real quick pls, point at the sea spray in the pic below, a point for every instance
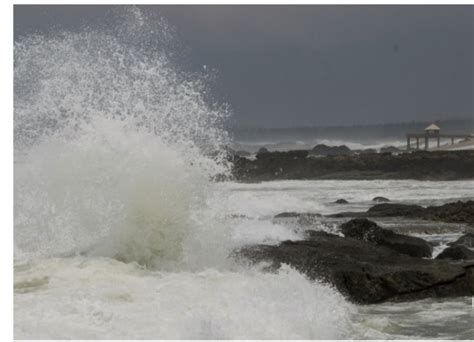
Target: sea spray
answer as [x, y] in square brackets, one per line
[116, 234]
[114, 146]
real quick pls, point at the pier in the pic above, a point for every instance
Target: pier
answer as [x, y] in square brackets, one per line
[432, 132]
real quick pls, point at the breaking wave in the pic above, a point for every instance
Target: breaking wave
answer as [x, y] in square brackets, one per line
[115, 231]
[114, 145]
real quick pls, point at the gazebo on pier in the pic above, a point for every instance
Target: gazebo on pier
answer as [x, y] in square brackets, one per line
[432, 132]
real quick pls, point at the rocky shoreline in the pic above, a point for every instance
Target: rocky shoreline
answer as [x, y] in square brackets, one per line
[370, 264]
[457, 212]
[300, 164]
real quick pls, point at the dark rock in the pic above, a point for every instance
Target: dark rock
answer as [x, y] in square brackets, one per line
[439, 165]
[341, 201]
[262, 150]
[380, 199]
[324, 150]
[363, 229]
[466, 240]
[456, 253]
[457, 212]
[386, 210]
[391, 209]
[390, 149]
[287, 214]
[296, 215]
[461, 212]
[364, 272]
[366, 151]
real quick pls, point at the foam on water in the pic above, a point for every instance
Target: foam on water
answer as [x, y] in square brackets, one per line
[115, 232]
[102, 298]
[271, 198]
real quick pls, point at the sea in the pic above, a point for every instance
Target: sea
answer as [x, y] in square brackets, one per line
[121, 230]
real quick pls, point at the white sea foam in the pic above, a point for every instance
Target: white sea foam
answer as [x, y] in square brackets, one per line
[285, 144]
[115, 232]
[109, 146]
[101, 298]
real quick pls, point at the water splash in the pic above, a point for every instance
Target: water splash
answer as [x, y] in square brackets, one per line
[114, 145]
[114, 151]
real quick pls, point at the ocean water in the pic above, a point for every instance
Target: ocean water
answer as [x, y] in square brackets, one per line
[206, 295]
[285, 144]
[120, 231]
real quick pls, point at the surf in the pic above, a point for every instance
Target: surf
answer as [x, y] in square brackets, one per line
[111, 145]
[116, 231]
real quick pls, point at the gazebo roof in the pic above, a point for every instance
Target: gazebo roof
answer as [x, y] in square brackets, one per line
[432, 127]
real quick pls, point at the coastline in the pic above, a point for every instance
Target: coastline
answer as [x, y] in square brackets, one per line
[300, 165]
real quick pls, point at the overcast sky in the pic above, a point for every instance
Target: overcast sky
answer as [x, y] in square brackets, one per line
[281, 66]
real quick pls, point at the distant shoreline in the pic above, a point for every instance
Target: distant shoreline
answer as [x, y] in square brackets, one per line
[362, 133]
[299, 165]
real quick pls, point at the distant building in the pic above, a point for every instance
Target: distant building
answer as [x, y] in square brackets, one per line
[432, 129]
[432, 132]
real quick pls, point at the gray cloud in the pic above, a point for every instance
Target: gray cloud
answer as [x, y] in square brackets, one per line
[313, 65]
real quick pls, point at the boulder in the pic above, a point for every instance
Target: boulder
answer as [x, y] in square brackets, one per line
[365, 272]
[390, 149]
[456, 253]
[363, 229]
[341, 201]
[391, 209]
[324, 150]
[466, 240]
[380, 199]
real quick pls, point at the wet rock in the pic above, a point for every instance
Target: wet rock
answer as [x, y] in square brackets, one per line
[363, 229]
[341, 201]
[365, 272]
[303, 219]
[380, 199]
[459, 212]
[456, 253]
[462, 212]
[386, 210]
[390, 149]
[439, 165]
[296, 215]
[366, 151]
[467, 240]
[391, 209]
[324, 150]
